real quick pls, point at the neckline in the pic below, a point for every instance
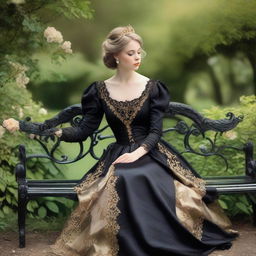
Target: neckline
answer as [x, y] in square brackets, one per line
[126, 101]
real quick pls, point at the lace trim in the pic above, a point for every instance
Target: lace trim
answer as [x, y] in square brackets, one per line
[80, 219]
[112, 213]
[189, 179]
[91, 177]
[186, 176]
[127, 110]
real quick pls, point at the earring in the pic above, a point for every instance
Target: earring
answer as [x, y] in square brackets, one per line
[117, 61]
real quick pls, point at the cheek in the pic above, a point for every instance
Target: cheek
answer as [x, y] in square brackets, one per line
[127, 59]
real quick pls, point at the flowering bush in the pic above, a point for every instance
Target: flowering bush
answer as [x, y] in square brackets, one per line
[23, 33]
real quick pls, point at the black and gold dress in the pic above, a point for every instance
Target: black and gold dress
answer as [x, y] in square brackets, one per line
[154, 206]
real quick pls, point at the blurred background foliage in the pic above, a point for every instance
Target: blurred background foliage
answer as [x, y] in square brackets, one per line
[204, 51]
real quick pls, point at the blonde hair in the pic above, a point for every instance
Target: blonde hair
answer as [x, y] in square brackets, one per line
[116, 41]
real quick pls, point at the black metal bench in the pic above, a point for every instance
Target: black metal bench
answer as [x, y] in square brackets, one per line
[30, 189]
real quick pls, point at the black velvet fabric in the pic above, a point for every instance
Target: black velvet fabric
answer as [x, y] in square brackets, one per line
[148, 222]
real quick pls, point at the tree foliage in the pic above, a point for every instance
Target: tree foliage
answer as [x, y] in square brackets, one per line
[23, 34]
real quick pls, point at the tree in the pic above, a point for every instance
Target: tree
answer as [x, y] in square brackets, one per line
[24, 32]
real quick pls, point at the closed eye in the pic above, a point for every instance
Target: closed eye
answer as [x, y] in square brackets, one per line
[130, 54]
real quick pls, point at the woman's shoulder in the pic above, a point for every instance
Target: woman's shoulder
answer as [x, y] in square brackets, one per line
[159, 84]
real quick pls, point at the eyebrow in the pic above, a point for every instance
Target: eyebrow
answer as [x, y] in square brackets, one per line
[134, 50]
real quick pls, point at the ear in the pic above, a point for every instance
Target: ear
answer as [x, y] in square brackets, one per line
[116, 55]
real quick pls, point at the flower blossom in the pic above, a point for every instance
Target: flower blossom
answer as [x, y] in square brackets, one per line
[66, 46]
[2, 131]
[230, 135]
[21, 113]
[19, 70]
[42, 111]
[22, 80]
[17, 1]
[53, 35]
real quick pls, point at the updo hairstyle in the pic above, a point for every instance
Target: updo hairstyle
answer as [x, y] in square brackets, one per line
[116, 41]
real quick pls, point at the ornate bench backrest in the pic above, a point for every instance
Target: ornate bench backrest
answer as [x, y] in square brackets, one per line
[196, 125]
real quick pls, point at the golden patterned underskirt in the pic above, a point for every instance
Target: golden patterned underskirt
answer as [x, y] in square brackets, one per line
[91, 228]
[190, 190]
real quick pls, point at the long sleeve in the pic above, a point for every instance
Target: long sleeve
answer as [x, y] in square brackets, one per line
[92, 113]
[159, 102]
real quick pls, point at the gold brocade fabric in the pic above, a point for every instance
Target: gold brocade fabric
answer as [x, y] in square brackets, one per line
[92, 228]
[190, 208]
[192, 211]
[184, 174]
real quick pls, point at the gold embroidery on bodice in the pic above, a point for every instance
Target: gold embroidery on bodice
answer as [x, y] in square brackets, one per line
[126, 110]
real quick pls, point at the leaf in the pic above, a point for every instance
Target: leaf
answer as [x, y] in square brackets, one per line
[2, 186]
[242, 207]
[34, 204]
[1, 214]
[6, 209]
[223, 204]
[31, 24]
[42, 212]
[52, 206]
[29, 206]
[8, 198]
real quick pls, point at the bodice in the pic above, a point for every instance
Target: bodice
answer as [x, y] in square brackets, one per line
[129, 119]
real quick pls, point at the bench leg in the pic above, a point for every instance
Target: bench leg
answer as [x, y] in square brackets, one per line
[22, 209]
[252, 199]
[254, 213]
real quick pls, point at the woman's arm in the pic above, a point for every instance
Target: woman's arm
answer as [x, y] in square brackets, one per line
[92, 115]
[159, 102]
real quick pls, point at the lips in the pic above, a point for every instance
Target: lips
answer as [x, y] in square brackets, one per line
[136, 64]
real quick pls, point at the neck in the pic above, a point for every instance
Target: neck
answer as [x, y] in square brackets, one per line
[125, 76]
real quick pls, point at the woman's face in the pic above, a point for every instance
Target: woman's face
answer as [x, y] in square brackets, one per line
[130, 56]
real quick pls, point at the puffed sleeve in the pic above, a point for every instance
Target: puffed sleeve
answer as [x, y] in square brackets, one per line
[159, 102]
[92, 113]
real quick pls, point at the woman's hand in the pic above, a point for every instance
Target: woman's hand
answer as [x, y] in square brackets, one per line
[131, 157]
[11, 125]
[127, 158]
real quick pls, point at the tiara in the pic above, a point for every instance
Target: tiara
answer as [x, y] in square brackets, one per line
[127, 30]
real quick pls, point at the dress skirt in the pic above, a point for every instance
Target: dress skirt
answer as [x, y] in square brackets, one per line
[144, 208]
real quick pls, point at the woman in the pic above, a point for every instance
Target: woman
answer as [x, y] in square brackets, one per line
[141, 198]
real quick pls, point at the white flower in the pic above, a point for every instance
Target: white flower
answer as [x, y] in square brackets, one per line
[22, 80]
[53, 35]
[19, 73]
[18, 67]
[66, 46]
[21, 114]
[212, 60]
[2, 131]
[42, 111]
[31, 136]
[230, 135]
[17, 1]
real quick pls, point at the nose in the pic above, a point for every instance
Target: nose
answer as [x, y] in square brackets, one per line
[137, 56]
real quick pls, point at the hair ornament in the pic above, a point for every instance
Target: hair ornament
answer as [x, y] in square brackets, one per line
[128, 29]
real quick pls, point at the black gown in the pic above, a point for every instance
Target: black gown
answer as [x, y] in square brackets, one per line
[154, 206]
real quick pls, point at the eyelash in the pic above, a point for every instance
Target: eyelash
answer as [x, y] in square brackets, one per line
[130, 54]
